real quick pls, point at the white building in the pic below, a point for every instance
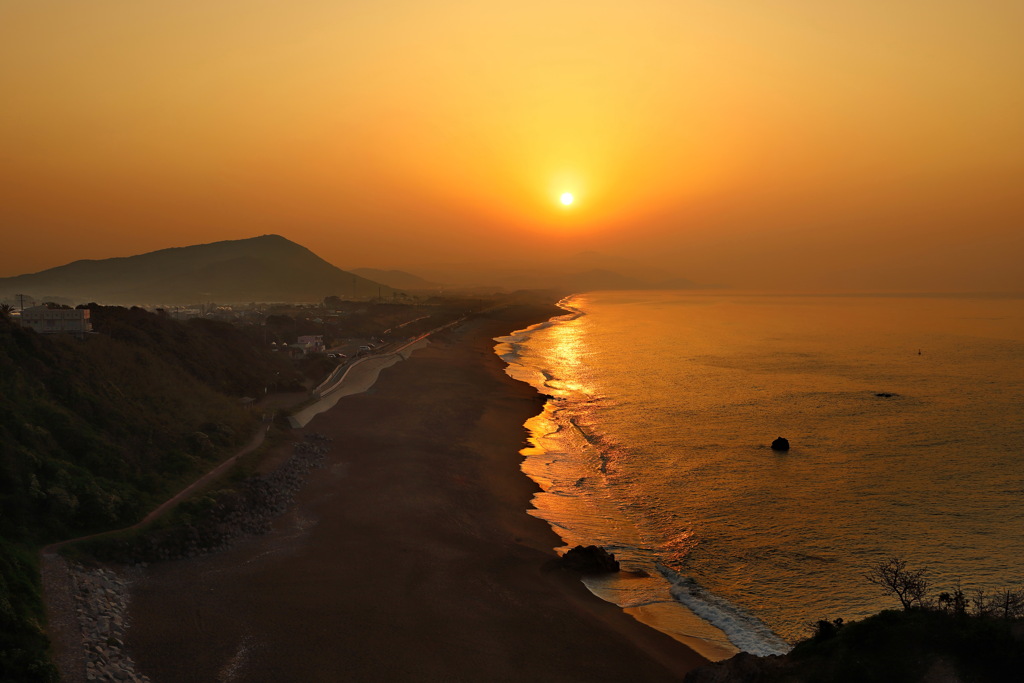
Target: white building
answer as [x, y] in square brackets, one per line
[51, 320]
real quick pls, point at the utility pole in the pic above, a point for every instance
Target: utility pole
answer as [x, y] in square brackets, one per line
[21, 301]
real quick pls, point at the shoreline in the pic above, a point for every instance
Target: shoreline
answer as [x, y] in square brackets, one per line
[660, 609]
[410, 556]
[677, 606]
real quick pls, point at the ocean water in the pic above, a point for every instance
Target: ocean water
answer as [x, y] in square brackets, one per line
[655, 444]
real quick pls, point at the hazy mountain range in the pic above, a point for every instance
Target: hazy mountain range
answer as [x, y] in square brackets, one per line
[584, 271]
[265, 268]
[271, 268]
[399, 279]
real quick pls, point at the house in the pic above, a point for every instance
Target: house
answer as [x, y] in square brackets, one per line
[47, 320]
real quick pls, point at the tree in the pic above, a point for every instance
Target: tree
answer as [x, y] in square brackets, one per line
[909, 585]
[5, 310]
[955, 602]
[280, 321]
[1009, 603]
[825, 629]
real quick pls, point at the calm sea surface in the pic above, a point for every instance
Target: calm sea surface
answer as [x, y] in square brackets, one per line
[655, 444]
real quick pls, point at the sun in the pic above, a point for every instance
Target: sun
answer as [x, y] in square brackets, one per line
[567, 198]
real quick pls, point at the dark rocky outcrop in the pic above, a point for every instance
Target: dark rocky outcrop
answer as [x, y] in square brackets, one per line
[590, 559]
[741, 667]
[780, 444]
[908, 646]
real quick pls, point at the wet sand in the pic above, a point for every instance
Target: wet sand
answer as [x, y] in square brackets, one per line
[409, 557]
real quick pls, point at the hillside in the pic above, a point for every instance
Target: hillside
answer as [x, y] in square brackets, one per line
[265, 268]
[95, 431]
[916, 646]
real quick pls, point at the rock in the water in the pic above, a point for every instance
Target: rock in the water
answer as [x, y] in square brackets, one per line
[591, 559]
[780, 444]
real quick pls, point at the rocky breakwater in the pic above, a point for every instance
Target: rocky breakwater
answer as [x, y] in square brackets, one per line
[88, 606]
[246, 510]
[101, 608]
[217, 520]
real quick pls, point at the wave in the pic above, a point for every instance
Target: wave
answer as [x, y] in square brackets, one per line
[509, 348]
[744, 630]
[514, 339]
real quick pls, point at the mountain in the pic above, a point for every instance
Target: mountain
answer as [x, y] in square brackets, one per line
[566, 277]
[265, 268]
[399, 279]
[599, 278]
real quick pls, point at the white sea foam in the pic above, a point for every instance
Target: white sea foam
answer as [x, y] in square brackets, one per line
[744, 630]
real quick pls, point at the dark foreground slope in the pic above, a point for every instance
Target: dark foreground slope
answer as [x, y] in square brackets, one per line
[265, 268]
[95, 431]
[914, 646]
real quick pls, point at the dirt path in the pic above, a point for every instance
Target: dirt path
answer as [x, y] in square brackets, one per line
[62, 623]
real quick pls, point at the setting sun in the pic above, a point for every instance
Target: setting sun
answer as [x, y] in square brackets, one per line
[567, 198]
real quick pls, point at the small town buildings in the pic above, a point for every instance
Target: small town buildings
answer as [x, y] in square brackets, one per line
[47, 320]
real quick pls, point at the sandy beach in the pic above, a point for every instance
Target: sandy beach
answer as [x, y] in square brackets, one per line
[409, 557]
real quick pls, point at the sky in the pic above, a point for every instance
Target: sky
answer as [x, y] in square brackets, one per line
[781, 144]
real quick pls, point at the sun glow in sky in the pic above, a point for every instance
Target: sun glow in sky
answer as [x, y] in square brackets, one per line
[797, 143]
[566, 198]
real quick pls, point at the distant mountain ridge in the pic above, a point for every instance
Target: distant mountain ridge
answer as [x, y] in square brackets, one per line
[567, 279]
[264, 268]
[399, 279]
[580, 272]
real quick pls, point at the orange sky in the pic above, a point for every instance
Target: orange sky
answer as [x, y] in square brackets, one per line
[782, 144]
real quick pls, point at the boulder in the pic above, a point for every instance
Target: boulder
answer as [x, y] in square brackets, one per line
[780, 444]
[741, 667]
[591, 559]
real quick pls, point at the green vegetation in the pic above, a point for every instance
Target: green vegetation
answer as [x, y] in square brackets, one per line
[22, 640]
[911, 645]
[95, 431]
[977, 638]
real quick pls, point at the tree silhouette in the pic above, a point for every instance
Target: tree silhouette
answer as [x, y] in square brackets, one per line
[909, 585]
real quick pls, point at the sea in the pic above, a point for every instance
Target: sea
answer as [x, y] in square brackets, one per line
[905, 417]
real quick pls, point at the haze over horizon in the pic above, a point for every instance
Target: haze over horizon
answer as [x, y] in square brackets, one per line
[790, 145]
